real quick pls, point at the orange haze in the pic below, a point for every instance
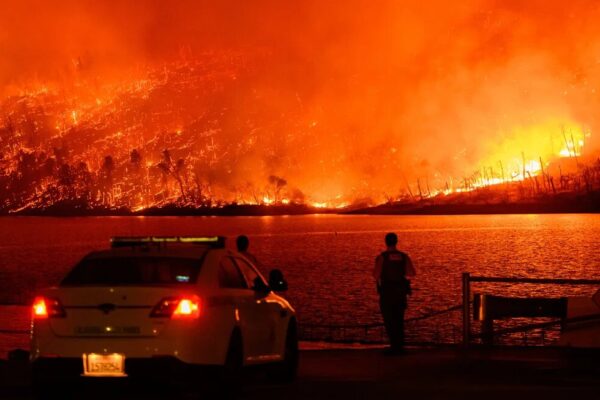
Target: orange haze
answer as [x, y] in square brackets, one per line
[342, 100]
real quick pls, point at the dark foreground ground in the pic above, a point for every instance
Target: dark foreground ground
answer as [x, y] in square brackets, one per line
[506, 374]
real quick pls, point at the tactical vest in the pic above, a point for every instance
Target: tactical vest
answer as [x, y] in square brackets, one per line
[393, 269]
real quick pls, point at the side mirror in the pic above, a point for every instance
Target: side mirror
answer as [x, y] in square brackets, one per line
[260, 287]
[277, 283]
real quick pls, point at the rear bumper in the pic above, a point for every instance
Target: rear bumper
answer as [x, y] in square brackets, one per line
[159, 369]
[189, 345]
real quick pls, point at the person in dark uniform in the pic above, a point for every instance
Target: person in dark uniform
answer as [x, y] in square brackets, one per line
[392, 270]
[242, 243]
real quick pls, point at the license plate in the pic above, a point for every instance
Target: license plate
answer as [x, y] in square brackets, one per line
[109, 365]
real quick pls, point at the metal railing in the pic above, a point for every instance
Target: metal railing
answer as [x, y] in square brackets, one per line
[467, 279]
[7, 331]
[465, 306]
[14, 331]
[330, 330]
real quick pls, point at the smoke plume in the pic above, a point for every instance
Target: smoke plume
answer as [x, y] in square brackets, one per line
[339, 100]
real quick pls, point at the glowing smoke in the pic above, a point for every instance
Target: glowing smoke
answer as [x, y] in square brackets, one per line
[342, 100]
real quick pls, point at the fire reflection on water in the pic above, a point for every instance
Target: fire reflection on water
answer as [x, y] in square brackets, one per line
[204, 104]
[327, 259]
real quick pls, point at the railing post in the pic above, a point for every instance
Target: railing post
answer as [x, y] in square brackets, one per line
[487, 330]
[466, 294]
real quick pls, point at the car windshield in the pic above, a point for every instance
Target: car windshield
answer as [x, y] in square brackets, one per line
[116, 271]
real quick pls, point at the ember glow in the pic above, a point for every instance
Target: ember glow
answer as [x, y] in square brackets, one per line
[137, 104]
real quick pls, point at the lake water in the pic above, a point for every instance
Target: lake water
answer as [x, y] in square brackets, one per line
[328, 259]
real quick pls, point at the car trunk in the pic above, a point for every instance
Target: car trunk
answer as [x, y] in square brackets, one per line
[110, 311]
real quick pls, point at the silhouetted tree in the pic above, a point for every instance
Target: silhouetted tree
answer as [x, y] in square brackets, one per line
[175, 170]
[278, 184]
[66, 182]
[179, 174]
[135, 158]
[84, 182]
[106, 177]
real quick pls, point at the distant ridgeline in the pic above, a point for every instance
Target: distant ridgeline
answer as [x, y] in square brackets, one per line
[480, 201]
[575, 192]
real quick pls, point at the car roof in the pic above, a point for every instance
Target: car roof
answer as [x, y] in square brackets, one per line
[174, 251]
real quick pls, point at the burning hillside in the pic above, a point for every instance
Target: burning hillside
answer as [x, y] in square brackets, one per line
[139, 105]
[151, 140]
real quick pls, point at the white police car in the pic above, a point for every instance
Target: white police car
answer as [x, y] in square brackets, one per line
[163, 307]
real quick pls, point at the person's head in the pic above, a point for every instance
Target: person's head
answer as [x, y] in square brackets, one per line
[242, 242]
[391, 239]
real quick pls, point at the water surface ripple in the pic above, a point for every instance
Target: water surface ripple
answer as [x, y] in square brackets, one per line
[328, 258]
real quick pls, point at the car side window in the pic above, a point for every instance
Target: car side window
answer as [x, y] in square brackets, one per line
[230, 276]
[249, 272]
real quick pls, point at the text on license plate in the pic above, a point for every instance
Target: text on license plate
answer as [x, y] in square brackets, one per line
[112, 365]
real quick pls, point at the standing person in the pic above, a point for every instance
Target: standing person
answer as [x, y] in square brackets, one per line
[392, 268]
[242, 243]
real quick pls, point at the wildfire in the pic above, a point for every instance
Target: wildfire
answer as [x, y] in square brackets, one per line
[109, 152]
[138, 106]
[511, 160]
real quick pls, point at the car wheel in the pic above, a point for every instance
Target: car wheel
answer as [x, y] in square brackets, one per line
[231, 377]
[286, 371]
[49, 387]
[50, 392]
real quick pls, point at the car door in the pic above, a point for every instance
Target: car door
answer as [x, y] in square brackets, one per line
[234, 286]
[268, 312]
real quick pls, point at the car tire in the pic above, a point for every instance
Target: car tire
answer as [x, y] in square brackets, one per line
[232, 371]
[45, 385]
[44, 391]
[286, 371]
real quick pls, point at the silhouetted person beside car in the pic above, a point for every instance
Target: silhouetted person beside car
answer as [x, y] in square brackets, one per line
[242, 243]
[392, 269]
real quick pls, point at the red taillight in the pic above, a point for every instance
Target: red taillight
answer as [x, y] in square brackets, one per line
[177, 307]
[40, 311]
[187, 308]
[44, 307]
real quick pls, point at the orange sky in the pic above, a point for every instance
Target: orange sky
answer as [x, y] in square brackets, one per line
[420, 89]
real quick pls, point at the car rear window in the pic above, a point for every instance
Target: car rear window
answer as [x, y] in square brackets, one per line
[117, 271]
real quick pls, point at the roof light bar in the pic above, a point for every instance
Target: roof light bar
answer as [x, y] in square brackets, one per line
[130, 241]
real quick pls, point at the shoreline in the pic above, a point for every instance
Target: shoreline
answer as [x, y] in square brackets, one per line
[585, 205]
